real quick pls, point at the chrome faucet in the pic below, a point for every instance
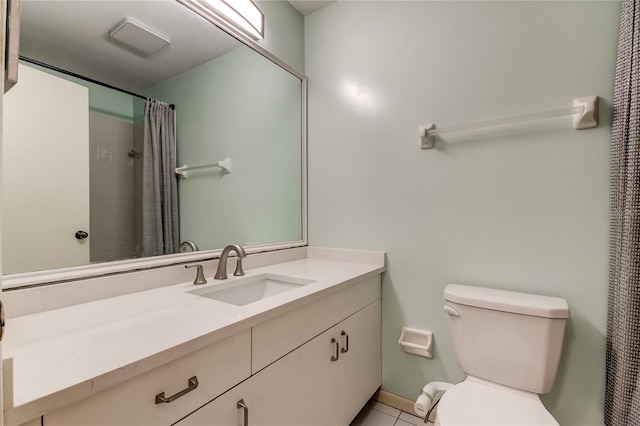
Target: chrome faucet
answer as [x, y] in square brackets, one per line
[188, 244]
[221, 273]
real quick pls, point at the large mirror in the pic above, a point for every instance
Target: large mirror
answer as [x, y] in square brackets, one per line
[74, 139]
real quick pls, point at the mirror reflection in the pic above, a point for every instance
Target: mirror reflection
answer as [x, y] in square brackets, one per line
[77, 155]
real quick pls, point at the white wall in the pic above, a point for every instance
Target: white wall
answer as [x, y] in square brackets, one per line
[525, 211]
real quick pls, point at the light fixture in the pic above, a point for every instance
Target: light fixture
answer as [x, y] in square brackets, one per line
[243, 15]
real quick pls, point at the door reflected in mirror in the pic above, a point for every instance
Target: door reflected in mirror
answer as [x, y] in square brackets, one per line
[73, 150]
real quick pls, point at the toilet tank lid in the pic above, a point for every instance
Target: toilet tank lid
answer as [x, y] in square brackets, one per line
[507, 301]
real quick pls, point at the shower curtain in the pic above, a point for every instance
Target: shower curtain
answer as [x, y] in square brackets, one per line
[622, 397]
[160, 232]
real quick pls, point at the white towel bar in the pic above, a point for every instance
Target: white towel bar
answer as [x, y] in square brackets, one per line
[585, 111]
[225, 165]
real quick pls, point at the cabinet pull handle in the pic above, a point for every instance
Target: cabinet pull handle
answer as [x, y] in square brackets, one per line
[193, 384]
[245, 409]
[346, 348]
[337, 355]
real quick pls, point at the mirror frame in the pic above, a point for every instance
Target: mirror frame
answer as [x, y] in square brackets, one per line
[77, 273]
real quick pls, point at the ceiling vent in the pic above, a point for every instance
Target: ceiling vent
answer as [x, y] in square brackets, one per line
[138, 37]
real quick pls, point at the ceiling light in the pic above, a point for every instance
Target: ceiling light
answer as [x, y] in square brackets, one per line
[243, 15]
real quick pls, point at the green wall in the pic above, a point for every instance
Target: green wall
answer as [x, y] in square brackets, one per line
[284, 32]
[524, 211]
[243, 106]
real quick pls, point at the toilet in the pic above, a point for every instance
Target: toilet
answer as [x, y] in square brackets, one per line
[509, 345]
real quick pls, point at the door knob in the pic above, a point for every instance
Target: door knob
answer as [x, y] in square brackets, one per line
[81, 235]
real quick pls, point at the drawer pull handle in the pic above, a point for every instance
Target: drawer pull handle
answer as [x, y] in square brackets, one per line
[245, 409]
[193, 384]
[337, 355]
[346, 336]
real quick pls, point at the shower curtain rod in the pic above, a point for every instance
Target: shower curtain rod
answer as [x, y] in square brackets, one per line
[82, 77]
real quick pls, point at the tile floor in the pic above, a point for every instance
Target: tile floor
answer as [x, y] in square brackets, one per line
[378, 414]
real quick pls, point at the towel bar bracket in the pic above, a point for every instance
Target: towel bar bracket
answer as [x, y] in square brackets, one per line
[588, 119]
[427, 141]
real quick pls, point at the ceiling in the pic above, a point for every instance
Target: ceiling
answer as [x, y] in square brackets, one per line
[306, 7]
[74, 35]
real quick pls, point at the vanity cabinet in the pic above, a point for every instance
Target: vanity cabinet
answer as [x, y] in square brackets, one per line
[277, 337]
[316, 363]
[217, 368]
[326, 381]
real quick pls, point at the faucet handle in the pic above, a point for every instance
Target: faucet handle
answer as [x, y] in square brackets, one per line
[200, 279]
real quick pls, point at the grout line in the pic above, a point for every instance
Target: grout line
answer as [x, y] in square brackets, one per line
[399, 411]
[397, 417]
[387, 414]
[387, 405]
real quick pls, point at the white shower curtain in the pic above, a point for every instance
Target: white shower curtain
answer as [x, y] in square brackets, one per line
[160, 226]
[622, 399]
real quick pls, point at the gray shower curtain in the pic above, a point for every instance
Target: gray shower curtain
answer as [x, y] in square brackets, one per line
[622, 398]
[160, 232]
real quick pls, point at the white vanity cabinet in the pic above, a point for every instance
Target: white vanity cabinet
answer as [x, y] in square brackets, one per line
[325, 381]
[217, 368]
[277, 337]
[308, 363]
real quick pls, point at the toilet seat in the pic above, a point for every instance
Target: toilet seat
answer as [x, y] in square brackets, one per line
[479, 402]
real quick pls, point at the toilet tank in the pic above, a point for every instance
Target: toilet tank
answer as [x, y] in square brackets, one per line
[506, 337]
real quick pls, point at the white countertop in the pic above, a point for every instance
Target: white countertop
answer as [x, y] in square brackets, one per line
[64, 355]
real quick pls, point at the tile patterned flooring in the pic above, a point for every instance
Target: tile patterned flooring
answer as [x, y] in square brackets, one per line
[378, 414]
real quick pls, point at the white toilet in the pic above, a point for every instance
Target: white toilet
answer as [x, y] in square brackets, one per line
[509, 346]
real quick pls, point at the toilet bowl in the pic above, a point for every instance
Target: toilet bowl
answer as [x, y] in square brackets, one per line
[509, 345]
[480, 402]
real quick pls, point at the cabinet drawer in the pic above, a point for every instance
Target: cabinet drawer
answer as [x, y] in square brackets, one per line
[279, 336]
[218, 368]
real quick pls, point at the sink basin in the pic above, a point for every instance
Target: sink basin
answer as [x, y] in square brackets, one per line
[251, 289]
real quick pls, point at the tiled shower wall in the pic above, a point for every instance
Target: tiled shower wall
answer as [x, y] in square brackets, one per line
[138, 146]
[112, 188]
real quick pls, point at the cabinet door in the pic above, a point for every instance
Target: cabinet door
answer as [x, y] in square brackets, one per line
[298, 389]
[360, 363]
[224, 410]
[325, 381]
